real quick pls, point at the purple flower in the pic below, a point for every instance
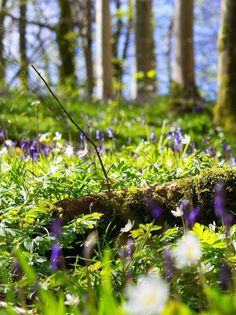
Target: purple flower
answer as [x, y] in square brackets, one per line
[16, 267]
[226, 148]
[129, 248]
[110, 133]
[82, 137]
[199, 107]
[34, 150]
[191, 217]
[3, 134]
[219, 204]
[152, 137]
[156, 210]
[184, 206]
[45, 149]
[25, 145]
[169, 265]
[56, 255]
[175, 139]
[225, 276]
[212, 151]
[97, 136]
[57, 228]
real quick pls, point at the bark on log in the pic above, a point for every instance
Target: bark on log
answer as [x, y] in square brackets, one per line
[138, 203]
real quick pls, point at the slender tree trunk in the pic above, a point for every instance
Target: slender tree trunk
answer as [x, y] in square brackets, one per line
[104, 50]
[225, 110]
[183, 83]
[24, 63]
[66, 44]
[116, 60]
[145, 51]
[2, 31]
[88, 48]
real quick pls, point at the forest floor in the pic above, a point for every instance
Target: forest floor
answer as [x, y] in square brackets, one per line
[68, 234]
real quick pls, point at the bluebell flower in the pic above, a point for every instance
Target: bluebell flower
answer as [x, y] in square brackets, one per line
[56, 228]
[97, 135]
[152, 137]
[34, 150]
[153, 206]
[3, 134]
[110, 133]
[56, 255]
[225, 276]
[82, 137]
[175, 139]
[191, 217]
[169, 264]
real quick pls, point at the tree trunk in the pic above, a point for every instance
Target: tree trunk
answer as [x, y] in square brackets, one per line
[24, 63]
[88, 48]
[66, 44]
[139, 204]
[145, 51]
[184, 89]
[2, 55]
[116, 60]
[103, 49]
[225, 110]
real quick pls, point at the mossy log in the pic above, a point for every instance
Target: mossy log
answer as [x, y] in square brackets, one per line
[138, 203]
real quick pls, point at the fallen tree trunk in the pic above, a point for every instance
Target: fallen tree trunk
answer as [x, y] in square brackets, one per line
[139, 204]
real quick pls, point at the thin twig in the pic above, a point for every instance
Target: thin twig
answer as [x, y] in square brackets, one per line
[76, 125]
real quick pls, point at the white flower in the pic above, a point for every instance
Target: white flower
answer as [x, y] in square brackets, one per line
[127, 227]
[9, 143]
[5, 167]
[69, 151]
[53, 169]
[45, 137]
[148, 297]
[186, 139]
[57, 136]
[188, 251]
[71, 299]
[205, 267]
[3, 152]
[178, 213]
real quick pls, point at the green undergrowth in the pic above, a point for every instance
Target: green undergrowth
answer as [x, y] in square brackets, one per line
[145, 147]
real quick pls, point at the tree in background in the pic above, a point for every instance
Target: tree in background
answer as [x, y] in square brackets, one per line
[23, 44]
[88, 41]
[145, 51]
[103, 50]
[225, 110]
[120, 41]
[183, 87]
[2, 31]
[66, 43]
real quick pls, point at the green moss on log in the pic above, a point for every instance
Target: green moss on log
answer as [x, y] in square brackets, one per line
[137, 204]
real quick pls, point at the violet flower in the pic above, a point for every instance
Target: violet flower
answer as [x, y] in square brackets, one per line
[152, 137]
[169, 264]
[56, 228]
[219, 207]
[97, 135]
[82, 137]
[191, 217]
[110, 133]
[225, 276]
[3, 134]
[56, 255]
[154, 207]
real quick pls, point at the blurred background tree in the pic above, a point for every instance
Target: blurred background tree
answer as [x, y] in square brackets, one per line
[225, 110]
[124, 48]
